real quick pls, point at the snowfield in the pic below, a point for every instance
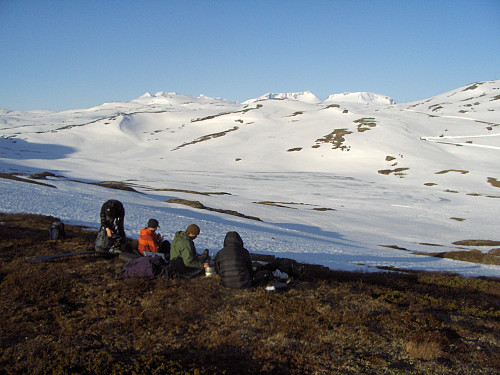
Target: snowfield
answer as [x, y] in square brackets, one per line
[354, 182]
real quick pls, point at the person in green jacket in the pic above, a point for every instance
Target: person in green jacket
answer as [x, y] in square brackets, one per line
[183, 256]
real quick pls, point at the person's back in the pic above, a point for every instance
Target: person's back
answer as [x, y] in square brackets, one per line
[151, 241]
[233, 263]
[147, 241]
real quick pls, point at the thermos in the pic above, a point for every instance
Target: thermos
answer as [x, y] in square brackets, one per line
[209, 268]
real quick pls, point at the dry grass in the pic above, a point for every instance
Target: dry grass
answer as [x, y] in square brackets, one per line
[336, 138]
[118, 185]
[453, 170]
[365, 124]
[193, 191]
[494, 182]
[424, 350]
[277, 204]
[477, 243]
[473, 256]
[9, 176]
[396, 171]
[206, 137]
[76, 315]
[287, 204]
[201, 206]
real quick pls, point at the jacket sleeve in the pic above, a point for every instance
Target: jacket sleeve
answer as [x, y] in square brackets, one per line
[217, 267]
[248, 262]
[120, 219]
[104, 222]
[119, 226]
[189, 255]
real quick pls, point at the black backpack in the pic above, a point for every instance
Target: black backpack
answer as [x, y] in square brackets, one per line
[104, 243]
[56, 230]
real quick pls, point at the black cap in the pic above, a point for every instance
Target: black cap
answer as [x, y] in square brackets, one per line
[153, 223]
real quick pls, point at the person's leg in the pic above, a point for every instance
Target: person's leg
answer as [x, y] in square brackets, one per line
[165, 249]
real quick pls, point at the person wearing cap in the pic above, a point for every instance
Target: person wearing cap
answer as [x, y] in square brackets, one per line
[183, 256]
[151, 241]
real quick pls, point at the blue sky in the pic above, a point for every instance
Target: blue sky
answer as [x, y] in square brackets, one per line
[75, 54]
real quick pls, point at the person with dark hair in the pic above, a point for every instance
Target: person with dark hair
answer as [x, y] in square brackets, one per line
[183, 256]
[111, 236]
[112, 217]
[153, 242]
[233, 263]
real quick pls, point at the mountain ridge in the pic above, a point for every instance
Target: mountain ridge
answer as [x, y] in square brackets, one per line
[400, 175]
[167, 121]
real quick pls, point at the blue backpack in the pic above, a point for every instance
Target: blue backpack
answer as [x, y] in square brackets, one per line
[145, 267]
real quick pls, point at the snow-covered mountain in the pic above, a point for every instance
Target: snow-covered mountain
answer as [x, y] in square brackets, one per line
[352, 182]
[360, 97]
[306, 96]
[368, 98]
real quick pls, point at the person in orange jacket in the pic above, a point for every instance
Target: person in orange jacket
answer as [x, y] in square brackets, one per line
[151, 241]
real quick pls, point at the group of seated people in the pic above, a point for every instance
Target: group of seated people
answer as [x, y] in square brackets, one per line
[232, 262]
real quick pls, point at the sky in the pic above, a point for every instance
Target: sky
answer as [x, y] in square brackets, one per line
[59, 55]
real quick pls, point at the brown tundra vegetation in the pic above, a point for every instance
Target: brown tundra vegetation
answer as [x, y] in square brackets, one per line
[77, 315]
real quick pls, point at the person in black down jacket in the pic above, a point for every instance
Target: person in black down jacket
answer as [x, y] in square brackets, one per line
[233, 263]
[112, 216]
[111, 231]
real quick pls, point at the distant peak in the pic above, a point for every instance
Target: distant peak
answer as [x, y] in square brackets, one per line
[160, 94]
[361, 97]
[201, 96]
[304, 96]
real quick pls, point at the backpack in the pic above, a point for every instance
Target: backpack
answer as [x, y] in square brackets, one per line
[56, 230]
[102, 241]
[289, 266]
[145, 267]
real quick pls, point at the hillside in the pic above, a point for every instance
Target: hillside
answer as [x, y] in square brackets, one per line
[354, 182]
[77, 315]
